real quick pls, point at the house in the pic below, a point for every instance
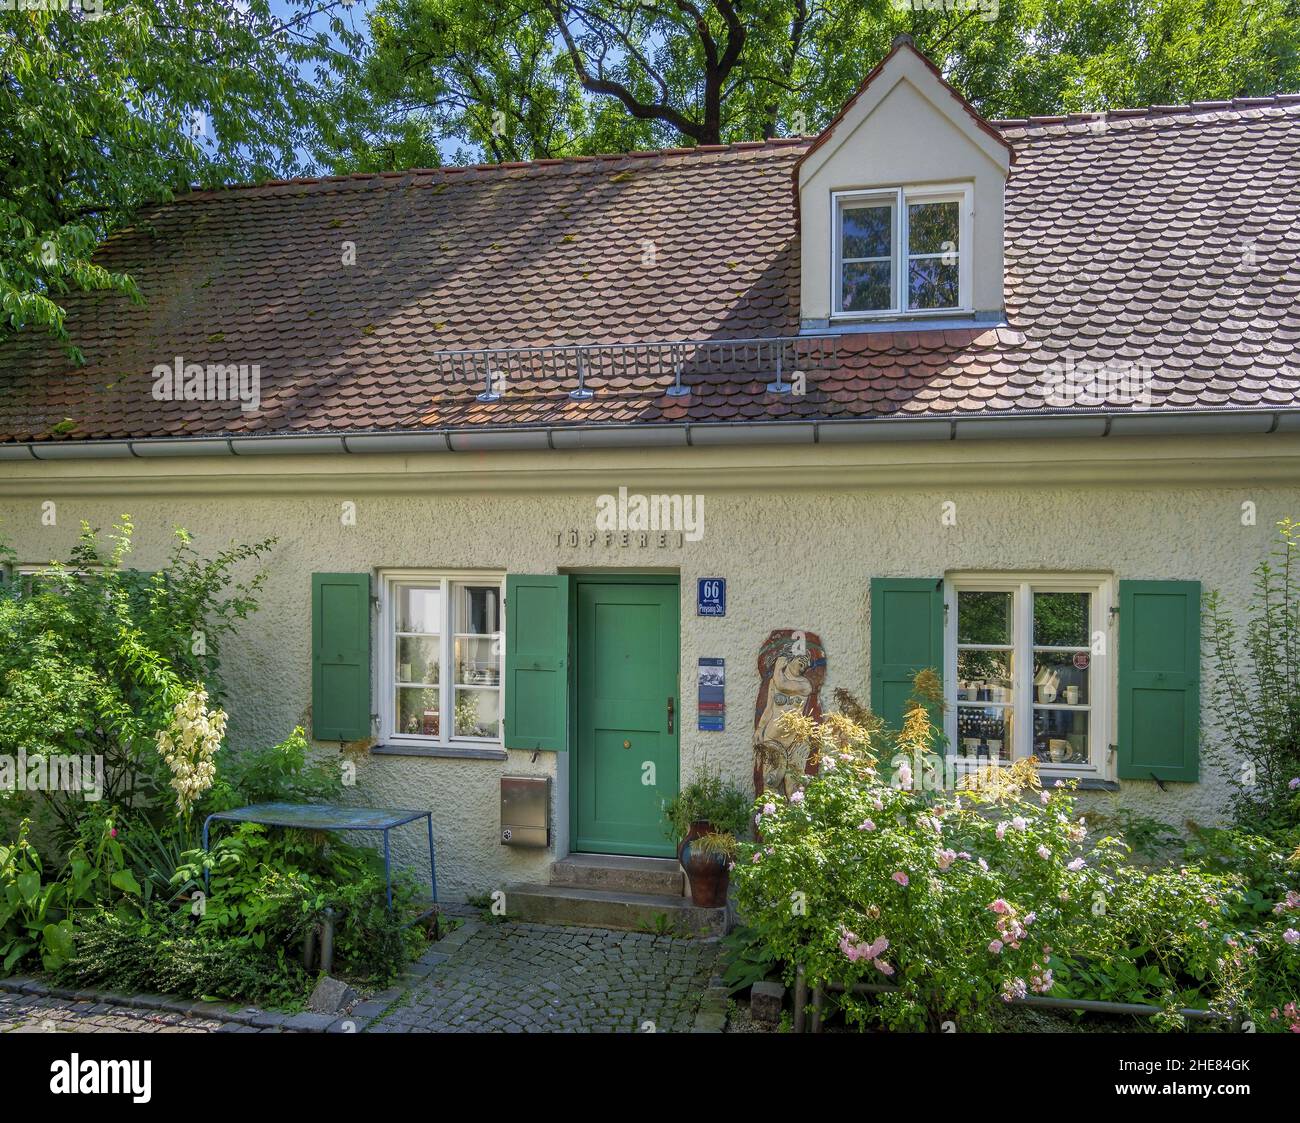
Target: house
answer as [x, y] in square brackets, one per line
[584, 470]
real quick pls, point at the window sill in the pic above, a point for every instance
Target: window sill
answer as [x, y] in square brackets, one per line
[954, 321]
[449, 752]
[1093, 784]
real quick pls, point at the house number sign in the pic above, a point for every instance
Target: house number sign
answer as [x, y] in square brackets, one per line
[711, 596]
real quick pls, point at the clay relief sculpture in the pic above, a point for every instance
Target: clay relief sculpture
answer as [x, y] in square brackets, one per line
[791, 671]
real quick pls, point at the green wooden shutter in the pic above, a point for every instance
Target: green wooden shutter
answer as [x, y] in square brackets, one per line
[1159, 680]
[340, 656]
[906, 637]
[537, 662]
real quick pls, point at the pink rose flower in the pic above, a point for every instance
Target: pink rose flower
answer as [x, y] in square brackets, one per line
[996, 947]
[1291, 936]
[866, 825]
[1044, 853]
[900, 877]
[1075, 866]
[1000, 907]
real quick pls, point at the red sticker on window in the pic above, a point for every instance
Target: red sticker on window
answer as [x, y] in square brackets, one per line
[1081, 660]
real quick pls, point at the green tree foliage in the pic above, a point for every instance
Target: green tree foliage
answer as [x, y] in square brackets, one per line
[102, 113]
[530, 79]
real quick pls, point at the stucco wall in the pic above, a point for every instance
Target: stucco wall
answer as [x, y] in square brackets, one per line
[796, 554]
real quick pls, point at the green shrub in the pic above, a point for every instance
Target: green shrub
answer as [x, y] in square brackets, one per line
[707, 798]
[953, 902]
[282, 773]
[161, 952]
[95, 655]
[1256, 690]
[269, 886]
[39, 911]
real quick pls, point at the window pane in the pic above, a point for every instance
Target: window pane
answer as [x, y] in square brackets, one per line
[1061, 736]
[984, 617]
[984, 676]
[932, 283]
[867, 231]
[1059, 679]
[419, 609]
[1061, 619]
[984, 732]
[478, 609]
[867, 286]
[478, 713]
[418, 659]
[932, 228]
[477, 664]
[417, 711]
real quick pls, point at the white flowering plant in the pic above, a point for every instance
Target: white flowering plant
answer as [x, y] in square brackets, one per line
[949, 904]
[188, 746]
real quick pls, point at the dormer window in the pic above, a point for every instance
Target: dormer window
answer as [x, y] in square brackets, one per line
[902, 251]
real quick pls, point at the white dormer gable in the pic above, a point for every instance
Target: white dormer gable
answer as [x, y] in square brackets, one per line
[901, 204]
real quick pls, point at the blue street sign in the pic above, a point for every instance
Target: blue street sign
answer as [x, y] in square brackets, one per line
[712, 598]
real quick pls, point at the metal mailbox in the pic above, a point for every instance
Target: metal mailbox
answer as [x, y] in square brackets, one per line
[525, 810]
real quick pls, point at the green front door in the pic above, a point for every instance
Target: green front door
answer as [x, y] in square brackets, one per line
[628, 716]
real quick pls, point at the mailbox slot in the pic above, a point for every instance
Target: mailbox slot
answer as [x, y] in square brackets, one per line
[525, 811]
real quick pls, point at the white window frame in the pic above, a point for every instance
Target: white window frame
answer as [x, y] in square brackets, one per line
[386, 671]
[900, 197]
[1101, 681]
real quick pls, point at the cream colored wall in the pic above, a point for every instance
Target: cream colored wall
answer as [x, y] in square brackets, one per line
[797, 533]
[907, 135]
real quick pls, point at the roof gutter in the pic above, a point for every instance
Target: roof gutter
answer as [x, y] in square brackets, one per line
[1074, 424]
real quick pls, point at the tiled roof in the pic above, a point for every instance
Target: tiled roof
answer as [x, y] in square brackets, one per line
[1168, 236]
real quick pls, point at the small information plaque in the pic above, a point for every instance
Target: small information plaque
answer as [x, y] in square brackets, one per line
[713, 695]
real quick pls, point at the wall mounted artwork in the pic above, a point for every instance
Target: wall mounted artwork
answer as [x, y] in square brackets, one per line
[791, 671]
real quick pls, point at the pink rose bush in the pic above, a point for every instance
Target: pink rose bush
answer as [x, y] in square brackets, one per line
[968, 898]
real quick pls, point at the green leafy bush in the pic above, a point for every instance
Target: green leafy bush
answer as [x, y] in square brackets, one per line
[707, 798]
[95, 655]
[1256, 689]
[282, 773]
[38, 911]
[269, 886]
[161, 952]
[952, 902]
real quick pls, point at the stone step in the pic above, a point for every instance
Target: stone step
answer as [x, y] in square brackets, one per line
[577, 907]
[620, 873]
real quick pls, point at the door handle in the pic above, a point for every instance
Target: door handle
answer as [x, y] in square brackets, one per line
[670, 714]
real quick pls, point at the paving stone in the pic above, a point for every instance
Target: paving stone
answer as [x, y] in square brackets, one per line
[312, 1023]
[513, 977]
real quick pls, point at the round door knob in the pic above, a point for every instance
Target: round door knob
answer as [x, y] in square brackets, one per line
[627, 744]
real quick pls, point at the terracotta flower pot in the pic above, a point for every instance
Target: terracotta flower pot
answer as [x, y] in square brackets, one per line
[707, 873]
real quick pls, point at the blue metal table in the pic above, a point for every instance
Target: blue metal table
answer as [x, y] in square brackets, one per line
[333, 817]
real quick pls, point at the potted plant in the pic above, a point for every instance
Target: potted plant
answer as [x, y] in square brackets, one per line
[705, 818]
